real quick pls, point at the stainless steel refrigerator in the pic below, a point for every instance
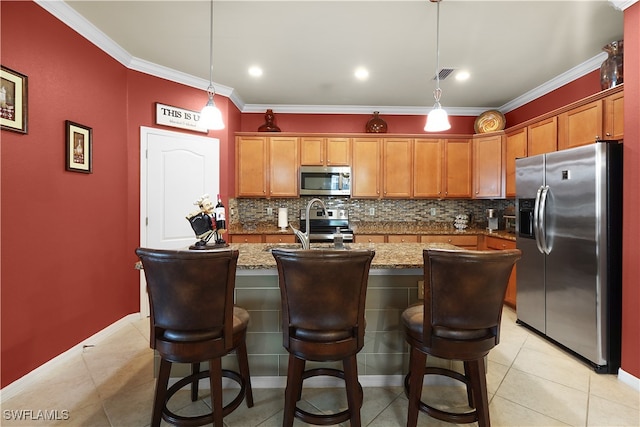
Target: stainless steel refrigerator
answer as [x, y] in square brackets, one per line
[569, 229]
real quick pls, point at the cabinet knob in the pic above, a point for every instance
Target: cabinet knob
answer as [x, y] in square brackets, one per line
[608, 134]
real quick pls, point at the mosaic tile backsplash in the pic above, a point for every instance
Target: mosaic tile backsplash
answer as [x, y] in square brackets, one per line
[250, 211]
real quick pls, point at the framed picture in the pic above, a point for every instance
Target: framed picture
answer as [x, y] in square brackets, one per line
[79, 150]
[13, 100]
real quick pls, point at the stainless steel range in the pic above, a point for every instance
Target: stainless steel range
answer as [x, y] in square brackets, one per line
[323, 224]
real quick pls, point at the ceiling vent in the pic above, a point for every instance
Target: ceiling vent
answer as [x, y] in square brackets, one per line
[444, 73]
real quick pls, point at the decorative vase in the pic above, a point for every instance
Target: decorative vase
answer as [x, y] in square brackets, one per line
[611, 68]
[376, 124]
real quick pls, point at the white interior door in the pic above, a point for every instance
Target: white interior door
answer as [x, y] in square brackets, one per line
[175, 170]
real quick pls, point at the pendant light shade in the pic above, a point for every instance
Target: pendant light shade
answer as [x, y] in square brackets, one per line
[437, 119]
[210, 116]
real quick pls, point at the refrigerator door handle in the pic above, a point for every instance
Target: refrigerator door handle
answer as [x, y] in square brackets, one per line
[536, 219]
[543, 228]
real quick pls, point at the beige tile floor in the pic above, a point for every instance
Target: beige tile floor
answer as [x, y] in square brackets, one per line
[531, 383]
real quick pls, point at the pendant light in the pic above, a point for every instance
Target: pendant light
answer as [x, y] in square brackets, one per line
[210, 116]
[437, 119]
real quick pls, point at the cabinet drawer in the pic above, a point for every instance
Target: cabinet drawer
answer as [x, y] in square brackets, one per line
[467, 242]
[369, 238]
[246, 238]
[402, 238]
[279, 238]
[499, 244]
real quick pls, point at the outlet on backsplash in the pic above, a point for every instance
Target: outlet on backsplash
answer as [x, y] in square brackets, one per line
[433, 211]
[269, 211]
[372, 211]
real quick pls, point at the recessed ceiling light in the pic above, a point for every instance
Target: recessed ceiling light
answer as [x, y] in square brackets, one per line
[255, 71]
[462, 75]
[361, 73]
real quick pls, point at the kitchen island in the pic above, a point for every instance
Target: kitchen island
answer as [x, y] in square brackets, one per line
[395, 272]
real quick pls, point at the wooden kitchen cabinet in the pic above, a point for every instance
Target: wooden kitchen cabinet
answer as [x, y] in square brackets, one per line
[397, 168]
[496, 243]
[457, 168]
[283, 167]
[365, 168]
[580, 126]
[251, 166]
[515, 148]
[319, 151]
[245, 238]
[403, 238]
[428, 157]
[266, 166]
[279, 238]
[442, 168]
[487, 166]
[466, 242]
[542, 137]
[369, 238]
[614, 116]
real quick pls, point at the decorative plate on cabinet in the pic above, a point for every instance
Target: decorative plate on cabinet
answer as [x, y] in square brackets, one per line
[489, 121]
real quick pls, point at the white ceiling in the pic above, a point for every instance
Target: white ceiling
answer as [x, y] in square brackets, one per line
[514, 50]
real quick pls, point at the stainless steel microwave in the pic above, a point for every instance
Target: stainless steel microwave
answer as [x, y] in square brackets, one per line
[325, 181]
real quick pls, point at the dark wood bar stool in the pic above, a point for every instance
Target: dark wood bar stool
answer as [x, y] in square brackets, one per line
[193, 320]
[323, 300]
[459, 320]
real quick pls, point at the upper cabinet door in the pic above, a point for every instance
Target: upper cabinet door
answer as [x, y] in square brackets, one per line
[397, 168]
[457, 169]
[580, 126]
[614, 116]
[319, 151]
[428, 157]
[311, 151]
[365, 171]
[516, 147]
[252, 163]
[542, 137]
[283, 167]
[487, 167]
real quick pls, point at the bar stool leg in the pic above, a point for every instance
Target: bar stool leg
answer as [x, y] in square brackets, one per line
[161, 392]
[354, 398]
[195, 369]
[293, 390]
[418, 361]
[243, 364]
[478, 380]
[215, 382]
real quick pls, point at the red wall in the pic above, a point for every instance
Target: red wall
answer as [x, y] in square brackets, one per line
[70, 274]
[580, 88]
[631, 194]
[351, 123]
[65, 269]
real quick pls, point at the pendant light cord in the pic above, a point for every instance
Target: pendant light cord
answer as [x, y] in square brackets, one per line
[437, 93]
[210, 89]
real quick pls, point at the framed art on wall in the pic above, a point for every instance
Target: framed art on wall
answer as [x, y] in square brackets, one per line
[79, 150]
[13, 100]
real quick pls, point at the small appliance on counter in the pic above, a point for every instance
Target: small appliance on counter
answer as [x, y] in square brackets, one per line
[510, 219]
[492, 220]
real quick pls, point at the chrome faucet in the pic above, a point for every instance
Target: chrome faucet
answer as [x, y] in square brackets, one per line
[304, 237]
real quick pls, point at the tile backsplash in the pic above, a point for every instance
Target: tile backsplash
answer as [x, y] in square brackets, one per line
[250, 211]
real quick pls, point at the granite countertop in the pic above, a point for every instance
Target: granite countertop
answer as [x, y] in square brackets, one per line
[366, 227]
[256, 256]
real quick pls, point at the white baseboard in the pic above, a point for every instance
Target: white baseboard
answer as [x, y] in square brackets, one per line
[31, 378]
[629, 379]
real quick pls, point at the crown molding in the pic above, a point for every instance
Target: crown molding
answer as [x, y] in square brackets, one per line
[622, 4]
[86, 29]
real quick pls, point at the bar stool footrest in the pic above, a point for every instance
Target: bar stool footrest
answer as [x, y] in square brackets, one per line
[451, 417]
[328, 419]
[198, 420]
